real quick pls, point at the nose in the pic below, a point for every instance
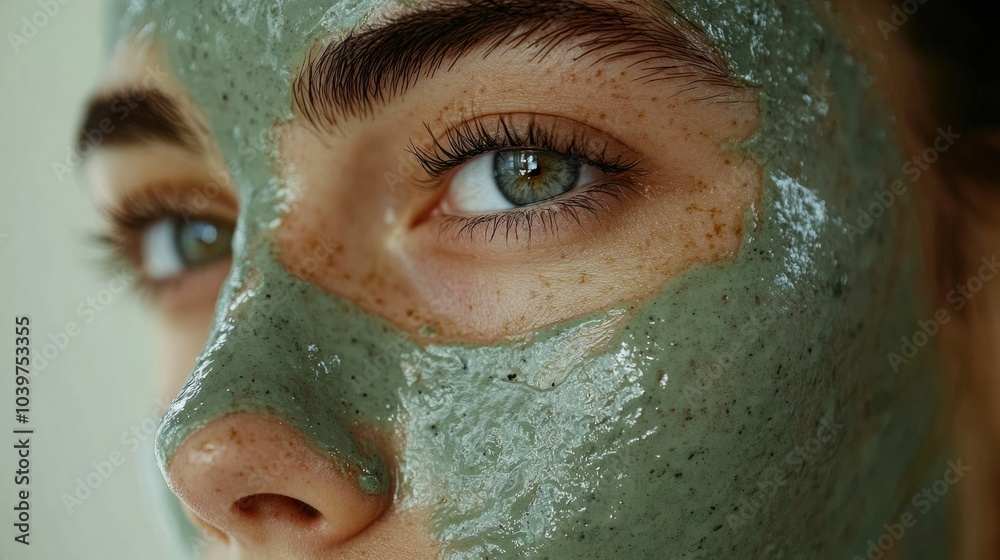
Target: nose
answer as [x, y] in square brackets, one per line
[257, 481]
[272, 439]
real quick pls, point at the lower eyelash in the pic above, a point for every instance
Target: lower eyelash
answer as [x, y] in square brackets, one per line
[593, 200]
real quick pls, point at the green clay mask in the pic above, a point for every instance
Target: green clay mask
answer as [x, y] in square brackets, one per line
[746, 411]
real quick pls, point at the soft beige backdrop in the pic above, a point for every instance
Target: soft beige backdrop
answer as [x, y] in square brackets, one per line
[98, 386]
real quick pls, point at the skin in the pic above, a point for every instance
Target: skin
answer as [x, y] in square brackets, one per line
[701, 372]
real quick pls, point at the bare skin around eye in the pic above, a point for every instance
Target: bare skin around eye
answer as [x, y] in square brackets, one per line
[368, 234]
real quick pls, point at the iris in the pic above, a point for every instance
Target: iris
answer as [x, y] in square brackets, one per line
[528, 176]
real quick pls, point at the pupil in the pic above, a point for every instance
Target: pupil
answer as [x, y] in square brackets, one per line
[528, 165]
[201, 242]
[207, 233]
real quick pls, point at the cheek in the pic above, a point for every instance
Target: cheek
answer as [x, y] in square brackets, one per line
[438, 286]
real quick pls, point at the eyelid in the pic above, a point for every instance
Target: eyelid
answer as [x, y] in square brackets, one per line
[137, 208]
[482, 134]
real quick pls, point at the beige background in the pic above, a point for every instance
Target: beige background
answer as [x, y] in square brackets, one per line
[99, 386]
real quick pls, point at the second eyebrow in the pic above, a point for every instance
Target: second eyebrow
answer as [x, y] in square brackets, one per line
[135, 116]
[369, 67]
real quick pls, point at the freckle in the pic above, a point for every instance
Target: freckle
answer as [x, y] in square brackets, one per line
[654, 99]
[728, 162]
[642, 114]
[600, 72]
[602, 116]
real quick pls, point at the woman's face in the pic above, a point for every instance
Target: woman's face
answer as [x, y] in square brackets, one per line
[524, 278]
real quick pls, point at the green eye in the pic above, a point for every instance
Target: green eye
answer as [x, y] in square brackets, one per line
[172, 245]
[529, 176]
[201, 242]
[515, 177]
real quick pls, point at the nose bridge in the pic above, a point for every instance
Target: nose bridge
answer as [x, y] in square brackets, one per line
[284, 349]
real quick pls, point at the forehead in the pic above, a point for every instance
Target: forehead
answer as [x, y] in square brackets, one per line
[213, 47]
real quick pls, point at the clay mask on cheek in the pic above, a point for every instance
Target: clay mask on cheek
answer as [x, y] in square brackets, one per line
[738, 413]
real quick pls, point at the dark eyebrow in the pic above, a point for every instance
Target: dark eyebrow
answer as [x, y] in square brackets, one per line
[135, 116]
[370, 66]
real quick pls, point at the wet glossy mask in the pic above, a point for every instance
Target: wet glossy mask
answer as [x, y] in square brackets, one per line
[739, 413]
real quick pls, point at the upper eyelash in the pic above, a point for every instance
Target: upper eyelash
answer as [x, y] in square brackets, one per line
[473, 138]
[136, 210]
[129, 216]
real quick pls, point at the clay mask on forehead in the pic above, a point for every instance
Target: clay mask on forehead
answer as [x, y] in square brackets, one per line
[740, 412]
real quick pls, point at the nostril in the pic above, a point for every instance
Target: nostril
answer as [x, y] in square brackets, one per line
[272, 506]
[258, 481]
